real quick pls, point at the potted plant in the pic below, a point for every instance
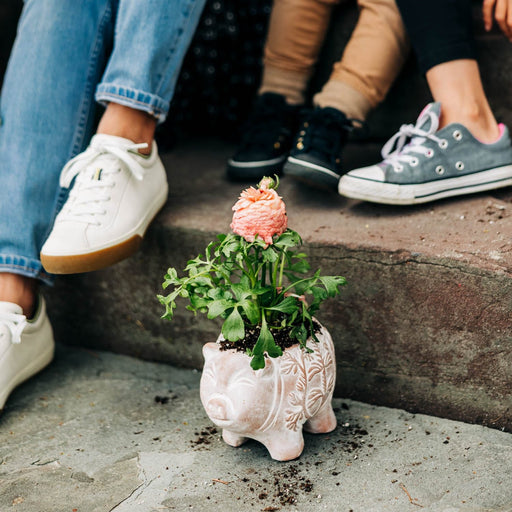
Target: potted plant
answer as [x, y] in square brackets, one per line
[272, 369]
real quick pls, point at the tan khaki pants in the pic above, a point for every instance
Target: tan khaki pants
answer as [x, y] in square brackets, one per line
[370, 63]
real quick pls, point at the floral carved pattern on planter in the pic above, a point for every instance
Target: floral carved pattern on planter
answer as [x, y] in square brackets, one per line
[309, 394]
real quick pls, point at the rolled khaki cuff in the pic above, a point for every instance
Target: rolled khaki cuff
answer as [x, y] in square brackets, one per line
[343, 97]
[290, 84]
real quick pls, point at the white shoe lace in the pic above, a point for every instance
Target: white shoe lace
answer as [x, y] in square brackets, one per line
[92, 183]
[409, 140]
[15, 324]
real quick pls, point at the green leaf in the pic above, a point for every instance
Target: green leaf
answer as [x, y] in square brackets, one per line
[170, 278]
[251, 311]
[219, 294]
[302, 287]
[218, 307]
[241, 291]
[332, 283]
[258, 362]
[202, 281]
[265, 344]
[319, 294]
[269, 255]
[287, 306]
[300, 333]
[260, 290]
[198, 303]
[288, 239]
[300, 267]
[230, 245]
[170, 306]
[233, 326]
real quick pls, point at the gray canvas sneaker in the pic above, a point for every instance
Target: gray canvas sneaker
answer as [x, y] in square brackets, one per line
[422, 164]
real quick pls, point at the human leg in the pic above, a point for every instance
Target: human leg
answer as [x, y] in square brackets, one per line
[296, 32]
[446, 53]
[117, 191]
[372, 59]
[47, 115]
[456, 146]
[458, 87]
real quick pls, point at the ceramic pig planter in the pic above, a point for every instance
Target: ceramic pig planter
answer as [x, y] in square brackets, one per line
[272, 405]
[257, 280]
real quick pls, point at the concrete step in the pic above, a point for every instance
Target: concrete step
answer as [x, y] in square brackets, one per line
[425, 323]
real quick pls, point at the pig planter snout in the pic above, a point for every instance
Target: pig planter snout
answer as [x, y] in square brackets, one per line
[217, 409]
[274, 404]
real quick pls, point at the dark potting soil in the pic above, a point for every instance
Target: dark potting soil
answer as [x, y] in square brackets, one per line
[281, 337]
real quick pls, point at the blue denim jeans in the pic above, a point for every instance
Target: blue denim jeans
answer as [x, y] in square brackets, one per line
[66, 55]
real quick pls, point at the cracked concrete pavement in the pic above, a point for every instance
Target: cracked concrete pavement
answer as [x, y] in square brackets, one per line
[98, 432]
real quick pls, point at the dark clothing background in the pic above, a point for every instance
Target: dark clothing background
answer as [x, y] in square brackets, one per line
[440, 30]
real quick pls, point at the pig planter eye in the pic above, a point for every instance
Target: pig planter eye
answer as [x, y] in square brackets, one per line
[271, 405]
[272, 371]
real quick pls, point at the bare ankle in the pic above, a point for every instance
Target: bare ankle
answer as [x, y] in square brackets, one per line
[458, 86]
[135, 125]
[20, 290]
[479, 121]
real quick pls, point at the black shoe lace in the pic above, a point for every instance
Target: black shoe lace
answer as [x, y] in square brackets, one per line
[325, 131]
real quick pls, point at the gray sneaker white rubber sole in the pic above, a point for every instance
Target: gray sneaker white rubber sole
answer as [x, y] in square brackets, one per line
[390, 193]
[423, 163]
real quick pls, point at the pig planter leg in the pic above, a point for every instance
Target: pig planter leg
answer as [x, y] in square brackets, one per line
[282, 446]
[323, 422]
[233, 439]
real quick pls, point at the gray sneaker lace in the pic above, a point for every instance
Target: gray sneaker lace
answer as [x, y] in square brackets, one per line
[409, 140]
[15, 324]
[92, 183]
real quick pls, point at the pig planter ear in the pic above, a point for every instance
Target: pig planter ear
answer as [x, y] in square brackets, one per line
[273, 404]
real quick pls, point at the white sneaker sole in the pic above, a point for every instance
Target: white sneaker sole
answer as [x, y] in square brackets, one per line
[256, 163]
[388, 193]
[107, 254]
[36, 365]
[255, 170]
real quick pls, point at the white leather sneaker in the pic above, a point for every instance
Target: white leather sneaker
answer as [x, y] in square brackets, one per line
[116, 194]
[26, 346]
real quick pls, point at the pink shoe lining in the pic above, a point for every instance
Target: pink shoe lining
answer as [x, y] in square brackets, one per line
[501, 126]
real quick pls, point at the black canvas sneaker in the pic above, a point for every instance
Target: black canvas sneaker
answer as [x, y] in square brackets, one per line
[316, 156]
[266, 139]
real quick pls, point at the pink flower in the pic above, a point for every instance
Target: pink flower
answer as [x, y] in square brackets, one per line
[259, 212]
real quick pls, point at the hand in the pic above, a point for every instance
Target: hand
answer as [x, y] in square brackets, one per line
[501, 11]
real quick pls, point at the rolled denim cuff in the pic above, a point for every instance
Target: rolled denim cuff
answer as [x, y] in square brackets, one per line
[26, 267]
[133, 98]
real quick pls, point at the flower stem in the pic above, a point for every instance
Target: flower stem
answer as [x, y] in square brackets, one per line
[297, 282]
[281, 269]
